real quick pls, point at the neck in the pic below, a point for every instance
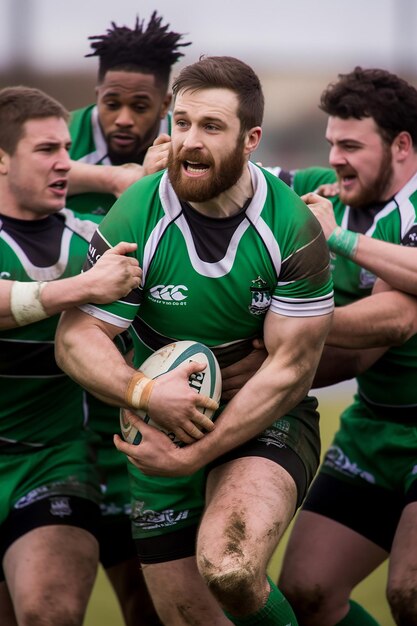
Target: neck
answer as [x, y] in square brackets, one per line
[229, 202]
[10, 207]
[401, 177]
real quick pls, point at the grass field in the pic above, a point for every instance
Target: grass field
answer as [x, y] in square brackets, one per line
[104, 611]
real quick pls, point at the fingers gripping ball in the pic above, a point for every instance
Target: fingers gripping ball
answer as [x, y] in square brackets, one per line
[208, 382]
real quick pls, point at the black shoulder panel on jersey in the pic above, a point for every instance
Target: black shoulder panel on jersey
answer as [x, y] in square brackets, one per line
[410, 238]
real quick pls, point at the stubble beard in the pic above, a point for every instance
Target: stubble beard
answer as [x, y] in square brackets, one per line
[138, 151]
[375, 193]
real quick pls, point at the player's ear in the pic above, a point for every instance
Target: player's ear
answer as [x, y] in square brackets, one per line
[4, 161]
[252, 139]
[166, 103]
[403, 145]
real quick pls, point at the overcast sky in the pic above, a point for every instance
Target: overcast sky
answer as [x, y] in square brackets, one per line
[280, 33]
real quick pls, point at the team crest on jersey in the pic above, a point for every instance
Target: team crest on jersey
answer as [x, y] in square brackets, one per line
[60, 506]
[261, 296]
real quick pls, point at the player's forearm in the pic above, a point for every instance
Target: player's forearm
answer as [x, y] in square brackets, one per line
[393, 263]
[384, 319]
[85, 178]
[112, 179]
[24, 303]
[339, 364]
[90, 357]
[266, 397]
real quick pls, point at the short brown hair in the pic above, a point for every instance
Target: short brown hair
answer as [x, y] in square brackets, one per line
[20, 104]
[226, 73]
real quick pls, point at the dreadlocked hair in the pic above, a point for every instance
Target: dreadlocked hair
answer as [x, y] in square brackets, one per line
[152, 50]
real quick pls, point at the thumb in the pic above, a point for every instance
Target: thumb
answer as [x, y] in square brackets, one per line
[193, 367]
[310, 198]
[123, 247]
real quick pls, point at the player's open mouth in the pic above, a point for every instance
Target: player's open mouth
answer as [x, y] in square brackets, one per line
[59, 185]
[347, 180]
[195, 169]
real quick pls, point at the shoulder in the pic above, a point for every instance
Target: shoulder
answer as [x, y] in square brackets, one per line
[308, 179]
[82, 224]
[78, 115]
[80, 124]
[140, 204]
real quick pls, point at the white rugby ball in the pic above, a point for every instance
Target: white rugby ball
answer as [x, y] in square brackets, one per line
[208, 382]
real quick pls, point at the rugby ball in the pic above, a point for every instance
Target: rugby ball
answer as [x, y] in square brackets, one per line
[207, 382]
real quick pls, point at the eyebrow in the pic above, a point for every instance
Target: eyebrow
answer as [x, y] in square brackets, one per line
[51, 143]
[206, 118]
[113, 94]
[347, 140]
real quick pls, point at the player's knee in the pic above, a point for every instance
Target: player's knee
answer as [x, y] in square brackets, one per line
[403, 603]
[307, 600]
[232, 582]
[50, 614]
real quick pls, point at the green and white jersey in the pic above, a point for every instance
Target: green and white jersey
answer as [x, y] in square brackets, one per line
[391, 381]
[89, 146]
[213, 280]
[39, 403]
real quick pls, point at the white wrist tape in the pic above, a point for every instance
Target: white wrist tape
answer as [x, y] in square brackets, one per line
[138, 391]
[25, 302]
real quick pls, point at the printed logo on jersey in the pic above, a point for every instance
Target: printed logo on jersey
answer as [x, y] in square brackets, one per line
[60, 506]
[261, 296]
[410, 238]
[114, 509]
[169, 294]
[146, 519]
[271, 438]
[337, 460]
[33, 496]
[366, 279]
[96, 248]
[5, 275]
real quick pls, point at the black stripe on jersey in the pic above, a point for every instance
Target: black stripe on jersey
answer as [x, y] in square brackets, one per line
[96, 248]
[149, 336]
[360, 219]
[28, 359]
[226, 355]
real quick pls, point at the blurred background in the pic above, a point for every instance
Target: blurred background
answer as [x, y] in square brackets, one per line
[296, 46]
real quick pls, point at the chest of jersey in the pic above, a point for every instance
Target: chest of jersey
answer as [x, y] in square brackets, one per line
[222, 301]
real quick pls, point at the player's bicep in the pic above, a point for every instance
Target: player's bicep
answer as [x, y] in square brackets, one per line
[293, 338]
[76, 321]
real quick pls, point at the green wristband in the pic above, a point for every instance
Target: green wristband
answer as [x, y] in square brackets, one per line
[344, 242]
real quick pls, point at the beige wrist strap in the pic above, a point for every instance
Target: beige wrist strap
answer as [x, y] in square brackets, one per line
[25, 302]
[138, 391]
